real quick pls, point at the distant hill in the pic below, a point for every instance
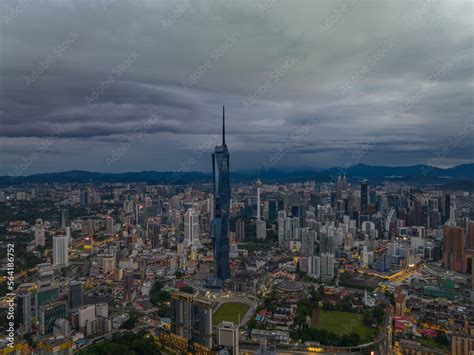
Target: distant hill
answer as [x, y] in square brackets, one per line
[417, 174]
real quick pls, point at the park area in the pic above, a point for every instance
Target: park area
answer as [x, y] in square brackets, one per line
[231, 312]
[344, 323]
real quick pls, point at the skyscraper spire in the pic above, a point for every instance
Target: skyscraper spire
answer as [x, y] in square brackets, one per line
[223, 125]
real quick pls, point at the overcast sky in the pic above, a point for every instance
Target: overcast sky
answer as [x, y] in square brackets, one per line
[139, 85]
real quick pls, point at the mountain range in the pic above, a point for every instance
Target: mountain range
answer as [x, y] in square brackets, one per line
[461, 175]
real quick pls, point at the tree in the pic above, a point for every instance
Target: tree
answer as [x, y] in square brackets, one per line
[187, 289]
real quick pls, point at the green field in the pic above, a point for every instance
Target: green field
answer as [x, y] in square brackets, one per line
[345, 323]
[230, 312]
[430, 343]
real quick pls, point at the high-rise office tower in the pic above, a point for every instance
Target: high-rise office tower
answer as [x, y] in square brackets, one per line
[258, 185]
[49, 313]
[281, 228]
[127, 286]
[261, 225]
[308, 239]
[339, 188]
[470, 237]
[39, 233]
[159, 207]
[109, 225]
[75, 295]
[447, 207]
[191, 318]
[364, 196]
[272, 210]
[220, 168]
[60, 251]
[191, 228]
[314, 266]
[326, 241]
[453, 249]
[23, 315]
[65, 218]
[327, 265]
[84, 197]
[240, 230]
[45, 295]
[344, 183]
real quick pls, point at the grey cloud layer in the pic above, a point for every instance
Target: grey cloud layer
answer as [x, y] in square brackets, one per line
[358, 88]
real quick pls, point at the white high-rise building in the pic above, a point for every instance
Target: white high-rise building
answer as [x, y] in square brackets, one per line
[327, 265]
[60, 251]
[102, 310]
[314, 266]
[261, 229]
[39, 233]
[191, 228]
[86, 313]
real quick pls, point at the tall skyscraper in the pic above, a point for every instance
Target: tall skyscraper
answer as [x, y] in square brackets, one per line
[364, 196]
[60, 251]
[109, 226]
[39, 233]
[75, 295]
[23, 315]
[453, 249]
[261, 225]
[240, 230]
[45, 295]
[327, 265]
[191, 318]
[281, 228]
[49, 313]
[447, 207]
[127, 286]
[191, 228]
[65, 218]
[339, 188]
[220, 168]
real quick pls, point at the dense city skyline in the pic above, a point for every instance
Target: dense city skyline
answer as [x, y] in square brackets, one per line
[118, 86]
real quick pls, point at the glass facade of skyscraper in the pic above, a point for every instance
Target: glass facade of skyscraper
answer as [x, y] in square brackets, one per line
[220, 167]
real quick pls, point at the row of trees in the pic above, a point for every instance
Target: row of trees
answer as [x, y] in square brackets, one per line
[124, 343]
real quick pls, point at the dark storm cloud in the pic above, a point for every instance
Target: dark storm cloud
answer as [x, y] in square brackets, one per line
[88, 75]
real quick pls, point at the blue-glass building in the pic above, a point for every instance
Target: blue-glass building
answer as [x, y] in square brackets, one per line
[220, 168]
